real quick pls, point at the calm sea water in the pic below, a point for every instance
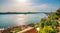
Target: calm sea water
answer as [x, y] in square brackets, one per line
[10, 20]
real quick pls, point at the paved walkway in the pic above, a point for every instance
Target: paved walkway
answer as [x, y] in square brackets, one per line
[29, 30]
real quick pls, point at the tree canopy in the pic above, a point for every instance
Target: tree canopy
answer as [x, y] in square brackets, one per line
[49, 25]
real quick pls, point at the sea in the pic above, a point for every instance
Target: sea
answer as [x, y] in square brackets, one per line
[10, 20]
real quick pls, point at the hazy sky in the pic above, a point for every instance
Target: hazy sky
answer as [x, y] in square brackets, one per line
[25, 6]
[28, 5]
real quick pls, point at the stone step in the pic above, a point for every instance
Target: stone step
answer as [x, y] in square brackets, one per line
[58, 32]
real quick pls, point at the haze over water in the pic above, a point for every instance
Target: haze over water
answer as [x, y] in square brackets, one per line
[11, 20]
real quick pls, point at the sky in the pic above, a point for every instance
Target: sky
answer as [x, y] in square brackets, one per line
[29, 5]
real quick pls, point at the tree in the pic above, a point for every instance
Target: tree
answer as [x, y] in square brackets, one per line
[42, 22]
[49, 25]
[47, 29]
[58, 13]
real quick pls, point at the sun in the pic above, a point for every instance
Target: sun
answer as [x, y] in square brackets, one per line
[21, 1]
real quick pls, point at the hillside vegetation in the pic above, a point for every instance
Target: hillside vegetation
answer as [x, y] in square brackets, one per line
[50, 24]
